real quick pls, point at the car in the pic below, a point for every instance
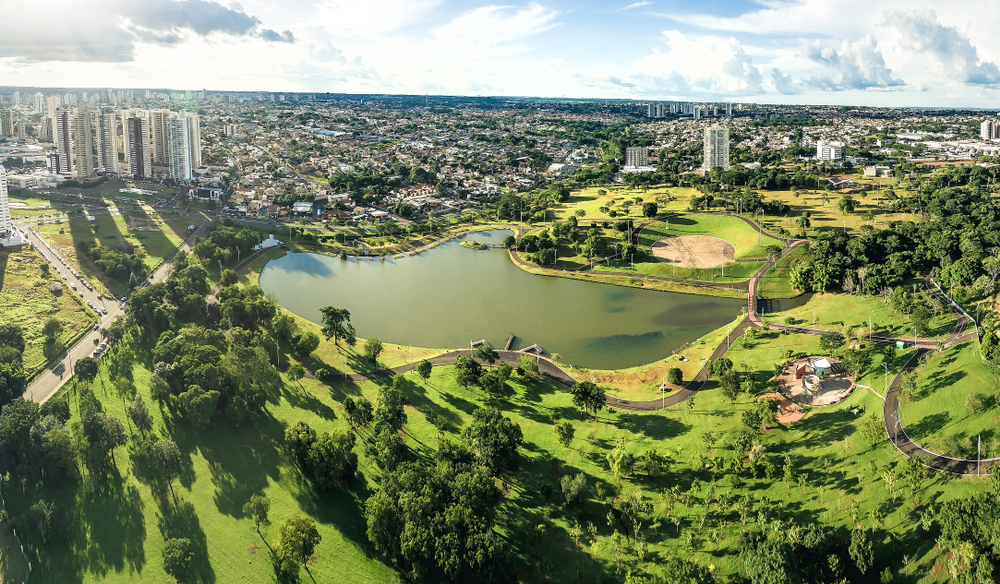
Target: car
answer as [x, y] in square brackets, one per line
[123, 299]
[81, 294]
[104, 310]
[102, 346]
[95, 355]
[97, 340]
[97, 327]
[99, 297]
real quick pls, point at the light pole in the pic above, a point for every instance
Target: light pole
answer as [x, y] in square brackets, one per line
[886, 387]
[723, 261]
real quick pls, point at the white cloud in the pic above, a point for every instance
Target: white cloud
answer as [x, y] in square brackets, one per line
[857, 65]
[489, 26]
[635, 5]
[781, 83]
[921, 31]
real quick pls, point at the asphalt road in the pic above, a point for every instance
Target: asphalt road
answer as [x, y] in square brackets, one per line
[59, 372]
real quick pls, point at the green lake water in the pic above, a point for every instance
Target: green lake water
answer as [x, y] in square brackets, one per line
[450, 296]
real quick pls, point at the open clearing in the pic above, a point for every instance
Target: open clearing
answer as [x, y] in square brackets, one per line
[694, 251]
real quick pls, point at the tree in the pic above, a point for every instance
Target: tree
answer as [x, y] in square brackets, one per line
[649, 210]
[574, 489]
[86, 368]
[337, 325]
[297, 540]
[487, 353]
[392, 400]
[139, 414]
[862, 551]
[52, 328]
[565, 432]
[358, 411]
[527, 367]
[675, 376]
[296, 372]
[257, 509]
[40, 515]
[11, 335]
[831, 341]
[331, 459]
[620, 460]
[589, 396]
[308, 343]
[494, 438]
[387, 450]
[373, 348]
[159, 390]
[177, 557]
[468, 371]
[730, 383]
[284, 326]
[872, 429]
[424, 369]
[846, 205]
[165, 458]
[299, 439]
[228, 278]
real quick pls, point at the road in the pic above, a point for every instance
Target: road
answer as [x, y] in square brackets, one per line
[59, 372]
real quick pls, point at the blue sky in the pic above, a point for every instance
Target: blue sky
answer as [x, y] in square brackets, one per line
[870, 52]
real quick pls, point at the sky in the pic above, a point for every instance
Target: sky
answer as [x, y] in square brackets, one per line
[851, 52]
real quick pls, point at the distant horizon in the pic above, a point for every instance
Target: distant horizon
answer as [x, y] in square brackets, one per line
[630, 100]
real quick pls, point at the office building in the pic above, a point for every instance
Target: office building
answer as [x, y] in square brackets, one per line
[62, 129]
[44, 131]
[636, 156]
[729, 110]
[83, 143]
[135, 126]
[716, 148]
[178, 143]
[107, 141]
[829, 150]
[696, 113]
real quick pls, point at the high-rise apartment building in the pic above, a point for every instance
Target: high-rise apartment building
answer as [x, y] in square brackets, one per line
[636, 156]
[135, 125]
[6, 123]
[716, 148]
[729, 110]
[179, 146]
[39, 103]
[989, 130]
[829, 150]
[158, 136]
[83, 143]
[194, 135]
[15, 98]
[5, 224]
[62, 129]
[107, 141]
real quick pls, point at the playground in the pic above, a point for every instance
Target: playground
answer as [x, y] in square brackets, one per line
[694, 251]
[815, 381]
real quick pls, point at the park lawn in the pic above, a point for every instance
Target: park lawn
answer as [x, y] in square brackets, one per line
[25, 300]
[936, 416]
[109, 189]
[775, 283]
[28, 198]
[590, 201]
[115, 529]
[13, 568]
[643, 382]
[743, 237]
[836, 311]
[828, 217]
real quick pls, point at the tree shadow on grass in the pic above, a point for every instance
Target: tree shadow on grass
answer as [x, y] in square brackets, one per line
[179, 520]
[417, 395]
[341, 507]
[299, 398]
[654, 426]
[929, 425]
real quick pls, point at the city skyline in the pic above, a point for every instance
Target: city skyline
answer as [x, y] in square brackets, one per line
[793, 52]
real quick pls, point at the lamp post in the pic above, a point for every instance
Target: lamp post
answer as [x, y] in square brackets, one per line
[723, 261]
[886, 387]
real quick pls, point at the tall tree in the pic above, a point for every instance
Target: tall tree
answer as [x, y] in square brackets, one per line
[257, 509]
[494, 438]
[373, 348]
[177, 558]
[166, 460]
[337, 325]
[424, 370]
[86, 368]
[297, 540]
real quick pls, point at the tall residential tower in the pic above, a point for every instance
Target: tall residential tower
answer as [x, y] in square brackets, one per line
[716, 148]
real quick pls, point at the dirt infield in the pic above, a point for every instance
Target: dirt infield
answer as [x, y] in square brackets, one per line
[694, 251]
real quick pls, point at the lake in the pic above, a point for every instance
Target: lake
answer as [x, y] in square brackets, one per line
[449, 296]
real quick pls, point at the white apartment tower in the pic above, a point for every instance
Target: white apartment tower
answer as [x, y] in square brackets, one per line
[5, 223]
[83, 143]
[179, 146]
[829, 150]
[6, 123]
[62, 129]
[194, 135]
[989, 130]
[636, 156]
[107, 141]
[716, 148]
[135, 125]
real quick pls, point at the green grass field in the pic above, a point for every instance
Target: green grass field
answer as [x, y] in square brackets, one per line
[835, 311]
[115, 527]
[590, 201]
[774, 283]
[743, 237]
[936, 416]
[827, 217]
[25, 300]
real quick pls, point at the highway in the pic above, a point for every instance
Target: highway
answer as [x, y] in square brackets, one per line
[58, 372]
